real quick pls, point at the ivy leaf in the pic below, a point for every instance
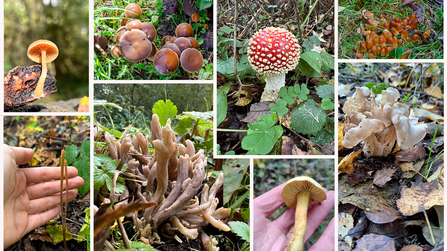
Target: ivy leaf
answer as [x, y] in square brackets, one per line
[325, 91]
[165, 111]
[327, 104]
[308, 118]
[262, 135]
[279, 107]
[241, 229]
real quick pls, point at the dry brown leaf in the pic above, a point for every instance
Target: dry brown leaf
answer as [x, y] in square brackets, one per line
[419, 198]
[341, 127]
[417, 112]
[383, 176]
[256, 110]
[428, 107]
[375, 242]
[245, 97]
[409, 168]
[413, 247]
[411, 155]
[347, 163]
[434, 91]
[289, 148]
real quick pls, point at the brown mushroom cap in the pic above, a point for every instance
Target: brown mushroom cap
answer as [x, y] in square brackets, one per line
[119, 33]
[172, 40]
[115, 51]
[195, 17]
[150, 31]
[36, 48]
[300, 184]
[166, 61]
[166, 39]
[101, 41]
[182, 43]
[191, 60]
[135, 46]
[194, 43]
[173, 47]
[133, 24]
[133, 10]
[153, 52]
[184, 30]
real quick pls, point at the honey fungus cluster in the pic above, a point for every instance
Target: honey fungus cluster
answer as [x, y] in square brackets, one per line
[389, 33]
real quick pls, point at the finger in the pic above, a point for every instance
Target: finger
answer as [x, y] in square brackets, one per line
[37, 220]
[45, 203]
[326, 241]
[269, 201]
[43, 174]
[284, 221]
[45, 189]
[318, 213]
[20, 155]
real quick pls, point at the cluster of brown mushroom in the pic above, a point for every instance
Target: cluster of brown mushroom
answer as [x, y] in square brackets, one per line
[387, 34]
[172, 178]
[135, 41]
[379, 122]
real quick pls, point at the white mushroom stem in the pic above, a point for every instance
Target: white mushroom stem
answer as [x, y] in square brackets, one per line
[297, 240]
[39, 88]
[272, 86]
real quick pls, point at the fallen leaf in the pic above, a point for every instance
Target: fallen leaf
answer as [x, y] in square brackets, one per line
[289, 148]
[413, 247]
[417, 112]
[256, 110]
[361, 227]
[341, 127]
[382, 176]
[419, 198]
[409, 168]
[438, 234]
[375, 242]
[346, 165]
[84, 105]
[407, 2]
[244, 98]
[414, 154]
[428, 107]
[434, 91]
[345, 223]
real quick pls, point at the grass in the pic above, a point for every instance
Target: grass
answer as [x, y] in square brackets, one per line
[351, 17]
[107, 20]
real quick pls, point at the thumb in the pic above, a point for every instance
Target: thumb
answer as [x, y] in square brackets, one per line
[19, 154]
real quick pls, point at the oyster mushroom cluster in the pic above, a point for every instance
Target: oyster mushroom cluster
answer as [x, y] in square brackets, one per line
[379, 123]
[135, 41]
[172, 177]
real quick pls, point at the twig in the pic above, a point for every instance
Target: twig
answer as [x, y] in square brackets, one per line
[429, 228]
[249, 24]
[420, 78]
[308, 15]
[124, 234]
[235, 45]
[109, 245]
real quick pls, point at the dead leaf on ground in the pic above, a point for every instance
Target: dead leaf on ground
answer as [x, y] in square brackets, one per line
[347, 163]
[345, 223]
[419, 198]
[434, 91]
[412, 155]
[382, 176]
[289, 147]
[418, 112]
[375, 242]
[413, 247]
[409, 168]
[256, 110]
[244, 98]
[341, 127]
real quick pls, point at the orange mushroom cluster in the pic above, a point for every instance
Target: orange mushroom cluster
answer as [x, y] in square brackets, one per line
[135, 41]
[390, 32]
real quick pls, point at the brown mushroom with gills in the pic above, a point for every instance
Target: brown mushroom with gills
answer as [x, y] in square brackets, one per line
[194, 43]
[150, 31]
[173, 47]
[42, 51]
[135, 46]
[133, 10]
[182, 43]
[191, 60]
[184, 30]
[299, 193]
[166, 61]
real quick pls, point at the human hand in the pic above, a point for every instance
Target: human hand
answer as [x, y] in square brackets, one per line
[31, 195]
[274, 235]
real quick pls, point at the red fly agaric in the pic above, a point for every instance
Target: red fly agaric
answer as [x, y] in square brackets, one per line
[273, 52]
[299, 193]
[42, 51]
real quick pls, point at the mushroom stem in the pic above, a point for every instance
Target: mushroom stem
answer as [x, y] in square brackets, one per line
[272, 86]
[39, 88]
[297, 240]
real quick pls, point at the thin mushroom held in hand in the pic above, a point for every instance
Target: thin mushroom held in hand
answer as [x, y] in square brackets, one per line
[64, 172]
[299, 193]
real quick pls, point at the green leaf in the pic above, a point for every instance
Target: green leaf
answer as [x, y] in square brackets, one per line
[325, 91]
[71, 152]
[230, 153]
[204, 4]
[313, 58]
[55, 231]
[183, 125]
[291, 92]
[397, 53]
[200, 115]
[289, 100]
[279, 107]
[226, 29]
[262, 135]
[245, 213]
[203, 126]
[283, 91]
[164, 111]
[100, 159]
[241, 229]
[85, 148]
[83, 166]
[100, 176]
[308, 45]
[222, 106]
[304, 92]
[328, 61]
[307, 118]
[226, 88]
[233, 171]
[323, 136]
[315, 40]
[327, 104]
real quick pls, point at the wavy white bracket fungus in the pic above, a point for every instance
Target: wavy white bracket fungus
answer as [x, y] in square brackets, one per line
[380, 123]
[273, 52]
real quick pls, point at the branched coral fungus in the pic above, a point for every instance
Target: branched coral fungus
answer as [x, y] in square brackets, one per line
[172, 177]
[379, 123]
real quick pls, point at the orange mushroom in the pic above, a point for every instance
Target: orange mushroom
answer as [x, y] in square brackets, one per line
[42, 51]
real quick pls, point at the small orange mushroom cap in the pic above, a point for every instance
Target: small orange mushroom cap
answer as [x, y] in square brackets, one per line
[36, 48]
[195, 17]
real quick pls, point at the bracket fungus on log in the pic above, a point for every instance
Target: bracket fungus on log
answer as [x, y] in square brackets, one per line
[171, 177]
[379, 123]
